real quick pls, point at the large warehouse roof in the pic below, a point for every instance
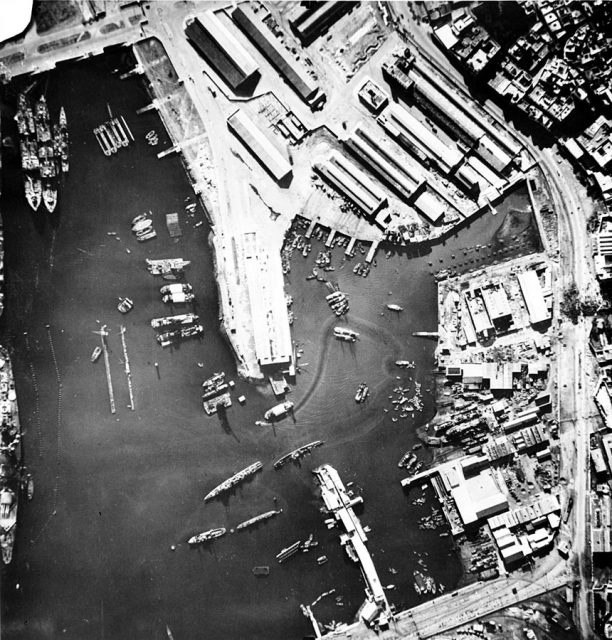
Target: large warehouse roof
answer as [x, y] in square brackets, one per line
[533, 296]
[259, 145]
[295, 74]
[219, 46]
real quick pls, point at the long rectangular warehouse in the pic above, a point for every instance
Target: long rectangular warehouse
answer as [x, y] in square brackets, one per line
[260, 146]
[267, 302]
[409, 185]
[224, 53]
[292, 70]
[454, 118]
[533, 296]
[317, 17]
[449, 159]
[351, 182]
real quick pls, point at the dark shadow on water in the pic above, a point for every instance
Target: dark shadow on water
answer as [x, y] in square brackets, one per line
[224, 421]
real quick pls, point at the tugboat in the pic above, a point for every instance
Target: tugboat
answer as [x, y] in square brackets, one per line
[206, 536]
[362, 393]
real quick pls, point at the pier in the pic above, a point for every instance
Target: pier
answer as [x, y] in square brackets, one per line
[372, 251]
[128, 372]
[311, 226]
[376, 609]
[109, 382]
[330, 238]
[350, 249]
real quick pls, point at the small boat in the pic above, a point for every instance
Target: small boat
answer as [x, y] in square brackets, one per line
[147, 235]
[404, 364]
[261, 571]
[322, 559]
[395, 307]
[125, 305]
[30, 486]
[362, 393]
[348, 335]
[169, 633]
[142, 225]
[279, 411]
[95, 354]
[206, 536]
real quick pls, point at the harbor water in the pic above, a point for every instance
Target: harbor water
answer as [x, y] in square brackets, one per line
[101, 550]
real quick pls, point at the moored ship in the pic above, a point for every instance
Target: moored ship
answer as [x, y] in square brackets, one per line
[166, 266]
[279, 411]
[395, 307]
[170, 321]
[362, 393]
[228, 484]
[257, 519]
[10, 458]
[207, 536]
[404, 364]
[348, 335]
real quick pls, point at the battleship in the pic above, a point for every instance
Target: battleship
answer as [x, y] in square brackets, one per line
[207, 536]
[44, 151]
[237, 478]
[10, 459]
[257, 519]
[279, 411]
[296, 454]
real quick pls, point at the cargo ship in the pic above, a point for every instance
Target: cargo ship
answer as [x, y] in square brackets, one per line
[237, 478]
[207, 536]
[279, 411]
[348, 335]
[10, 459]
[251, 522]
[166, 266]
[171, 321]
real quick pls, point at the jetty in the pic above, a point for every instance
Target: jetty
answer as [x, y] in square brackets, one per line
[339, 503]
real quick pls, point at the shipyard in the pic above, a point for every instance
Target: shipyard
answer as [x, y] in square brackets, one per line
[305, 322]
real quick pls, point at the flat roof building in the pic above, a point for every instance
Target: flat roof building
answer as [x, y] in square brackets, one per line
[352, 183]
[291, 69]
[533, 297]
[270, 319]
[222, 50]
[260, 146]
[497, 305]
[315, 19]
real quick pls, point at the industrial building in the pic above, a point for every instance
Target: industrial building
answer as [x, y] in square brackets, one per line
[315, 18]
[219, 47]
[477, 492]
[497, 305]
[480, 318]
[534, 297]
[601, 525]
[260, 146]
[408, 183]
[352, 183]
[291, 69]
[270, 319]
[448, 159]
[372, 96]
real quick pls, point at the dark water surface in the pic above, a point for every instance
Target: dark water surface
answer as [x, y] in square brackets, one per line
[113, 493]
